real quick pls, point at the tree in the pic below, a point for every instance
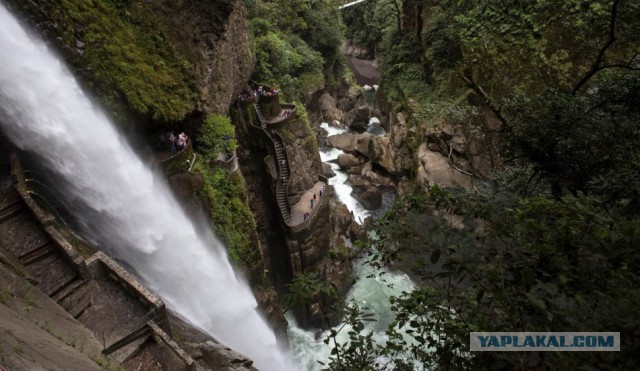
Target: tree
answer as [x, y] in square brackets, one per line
[531, 264]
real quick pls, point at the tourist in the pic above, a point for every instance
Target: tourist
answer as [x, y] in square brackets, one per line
[162, 142]
[180, 142]
[314, 196]
[312, 201]
[172, 142]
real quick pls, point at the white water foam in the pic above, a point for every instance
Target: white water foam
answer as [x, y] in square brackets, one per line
[125, 208]
[372, 290]
[343, 191]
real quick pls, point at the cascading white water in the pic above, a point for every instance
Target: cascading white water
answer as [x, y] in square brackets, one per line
[126, 209]
[343, 190]
[371, 290]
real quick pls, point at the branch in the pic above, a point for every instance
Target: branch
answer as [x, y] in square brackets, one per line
[487, 100]
[453, 166]
[595, 67]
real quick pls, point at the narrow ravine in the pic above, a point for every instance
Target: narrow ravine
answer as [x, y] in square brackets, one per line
[372, 289]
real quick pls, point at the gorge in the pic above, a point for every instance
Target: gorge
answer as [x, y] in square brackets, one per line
[362, 187]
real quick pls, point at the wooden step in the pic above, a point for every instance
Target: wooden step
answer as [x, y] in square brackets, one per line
[38, 253]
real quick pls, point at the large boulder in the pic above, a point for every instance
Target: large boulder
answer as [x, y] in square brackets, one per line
[381, 153]
[327, 170]
[351, 142]
[399, 130]
[358, 51]
[328, 109]
[358, 118]
[369, 198]
[218, 357]
[374, 177]
[353, 97]
[434, 169]
[347, 160]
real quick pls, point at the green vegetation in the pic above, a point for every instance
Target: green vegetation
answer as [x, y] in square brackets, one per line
[125, 55]
[297, 44]
[549, 243]
[231, 217]
[216, 136]
[5, 295]
[105, 363]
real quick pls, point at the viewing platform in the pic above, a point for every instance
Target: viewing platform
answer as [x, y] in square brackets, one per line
[172, 163]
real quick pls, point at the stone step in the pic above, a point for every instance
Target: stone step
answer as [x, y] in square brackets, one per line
[38, 253]
[53, 273]
[12, 209]
[79, 299]
[68, 289]
[61, 283]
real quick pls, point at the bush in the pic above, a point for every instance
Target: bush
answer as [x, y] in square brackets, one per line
[215, 136]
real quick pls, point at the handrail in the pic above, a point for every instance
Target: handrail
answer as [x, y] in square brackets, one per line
[188, 146]
[277, 120]
[279, 183]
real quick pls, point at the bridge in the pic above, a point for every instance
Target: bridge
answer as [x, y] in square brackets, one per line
[351, 4]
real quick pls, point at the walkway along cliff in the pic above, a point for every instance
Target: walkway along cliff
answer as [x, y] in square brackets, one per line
[128, 323]
[279, 151]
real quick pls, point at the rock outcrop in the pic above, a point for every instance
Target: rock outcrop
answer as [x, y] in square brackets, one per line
[435, 169]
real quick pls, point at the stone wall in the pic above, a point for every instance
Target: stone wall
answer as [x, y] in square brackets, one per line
[99, 267]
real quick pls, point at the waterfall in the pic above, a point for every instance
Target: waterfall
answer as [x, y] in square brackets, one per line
[123, 207]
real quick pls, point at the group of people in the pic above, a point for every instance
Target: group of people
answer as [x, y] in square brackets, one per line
[247, 95]
[172, 142]
[312, 202]
[267, 92]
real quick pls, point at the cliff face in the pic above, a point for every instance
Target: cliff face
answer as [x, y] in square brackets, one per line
[214, 37]
[295, 246]
[151, 62]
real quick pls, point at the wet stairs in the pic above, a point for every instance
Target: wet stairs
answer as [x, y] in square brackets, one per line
[23, 236]
[263, 122]
[284, 172]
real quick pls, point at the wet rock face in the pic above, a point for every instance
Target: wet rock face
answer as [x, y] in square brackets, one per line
[357, 119]
[215, 38]
[327, 108]
[39, 334]
[359, 51]
[218, 357]
[369, 197]
[212, 36]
